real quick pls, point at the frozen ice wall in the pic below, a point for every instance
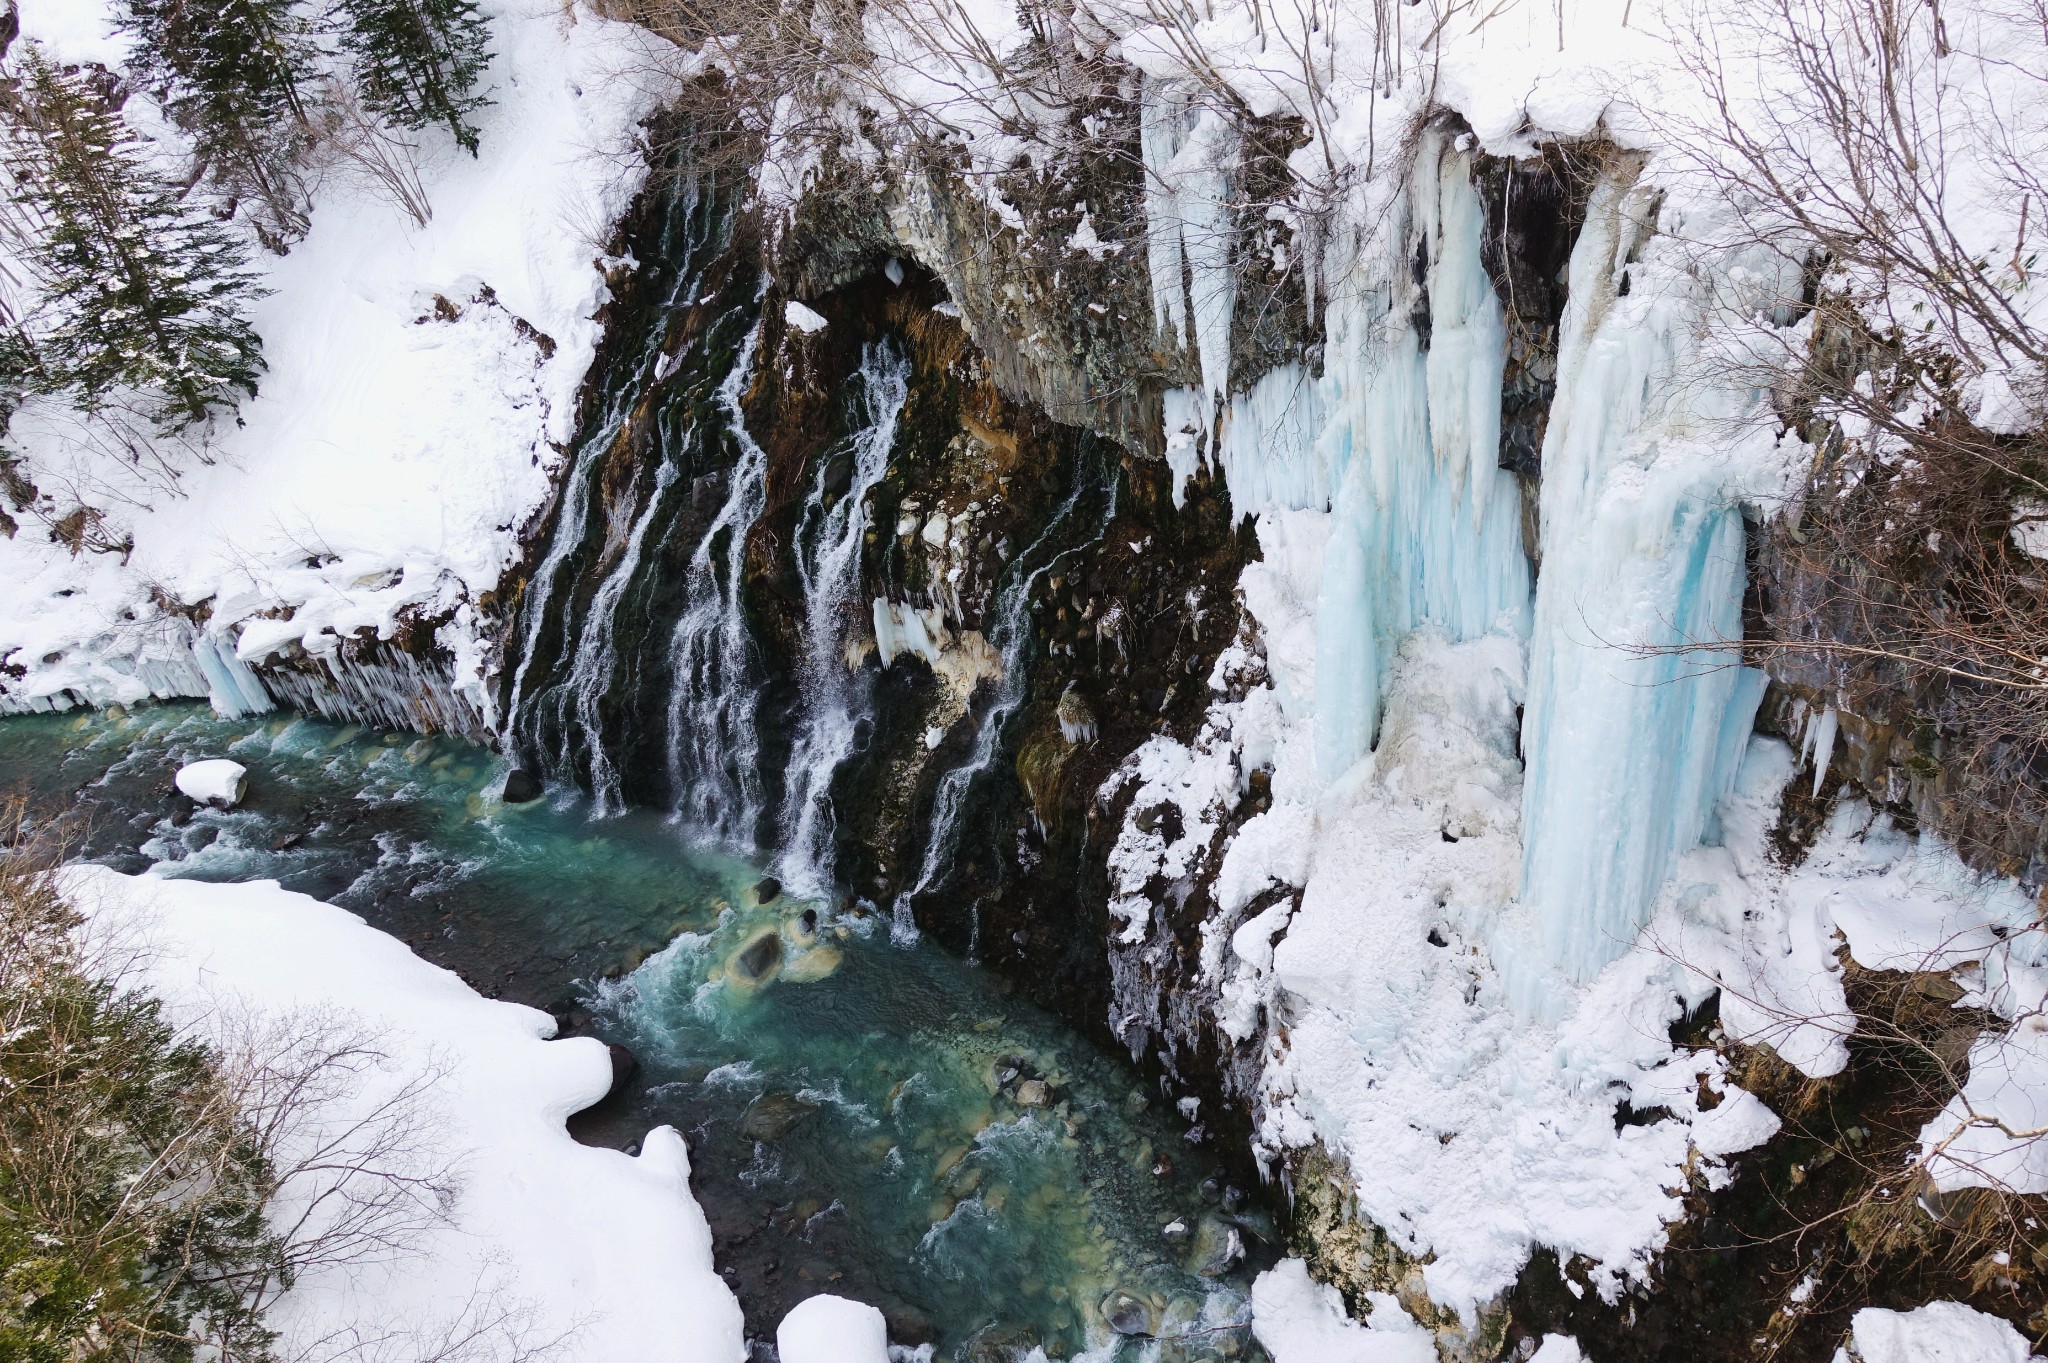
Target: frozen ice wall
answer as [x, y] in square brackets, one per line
[1629, 739]
[1189, 150]
[1427, 527]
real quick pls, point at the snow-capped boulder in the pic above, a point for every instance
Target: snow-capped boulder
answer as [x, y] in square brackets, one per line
[1939, 1332]
[215, 781]
[828, 1329]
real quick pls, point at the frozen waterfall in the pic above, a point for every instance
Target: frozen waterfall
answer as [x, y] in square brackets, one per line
[1427, 526]
[1630, 739]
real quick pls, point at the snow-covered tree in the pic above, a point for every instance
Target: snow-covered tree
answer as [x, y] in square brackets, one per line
[417, 61]
[139, 288]
[232, 73]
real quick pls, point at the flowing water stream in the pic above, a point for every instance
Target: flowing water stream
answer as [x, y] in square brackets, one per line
[865, 1116]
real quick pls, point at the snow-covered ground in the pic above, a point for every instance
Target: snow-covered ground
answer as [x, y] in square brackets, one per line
[543, 1241]
[420, 386]
[1939, 1332]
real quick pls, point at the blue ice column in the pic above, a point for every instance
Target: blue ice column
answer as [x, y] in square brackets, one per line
[1427, 525]
[1629, 742]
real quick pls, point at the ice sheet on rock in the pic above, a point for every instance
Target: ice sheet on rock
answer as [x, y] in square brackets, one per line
[804, 319]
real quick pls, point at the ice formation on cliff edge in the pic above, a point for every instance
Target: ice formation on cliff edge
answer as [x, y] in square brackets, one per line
[1527, 827]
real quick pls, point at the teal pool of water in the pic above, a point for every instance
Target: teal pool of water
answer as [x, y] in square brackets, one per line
[864, 1117]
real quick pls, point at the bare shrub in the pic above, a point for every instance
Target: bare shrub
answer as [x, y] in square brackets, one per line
[1892, 154]
[158, 1192]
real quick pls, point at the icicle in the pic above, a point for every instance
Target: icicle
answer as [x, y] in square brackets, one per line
[1269, 453]
[888, 639]
[1824, 746]
[1162, 129]
[1427, 527]
[1189, 152]
[1186, 431]
[233, 688]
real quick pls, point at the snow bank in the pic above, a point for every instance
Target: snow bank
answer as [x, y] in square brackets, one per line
[421, 381]
[607, 1252]
[828, 1329]
[215, 781]
[1299, 1320]
[1939, 1332]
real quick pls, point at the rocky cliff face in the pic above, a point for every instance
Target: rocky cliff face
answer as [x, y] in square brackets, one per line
[879, 559]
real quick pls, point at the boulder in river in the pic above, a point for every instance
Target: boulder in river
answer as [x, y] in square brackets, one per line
[757, 960]
[624, 1067]
[521, 787]
[774, 1115]
[215, 781]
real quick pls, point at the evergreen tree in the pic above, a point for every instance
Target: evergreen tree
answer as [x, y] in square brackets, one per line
[139, 288]
[231, 73]
[417, 61]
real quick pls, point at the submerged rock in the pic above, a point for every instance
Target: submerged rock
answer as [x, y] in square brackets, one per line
[772, 1116]
[813, 965]
[521, 787]
[767, 890]
[1126, 1314]
[757, 960]
[216, 781]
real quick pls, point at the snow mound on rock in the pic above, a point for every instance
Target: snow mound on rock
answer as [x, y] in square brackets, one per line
[215, 781]
[1939, 1332]
[828, 1329]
